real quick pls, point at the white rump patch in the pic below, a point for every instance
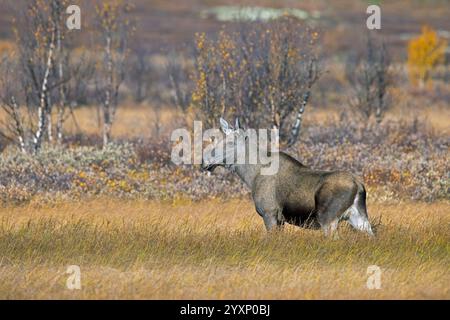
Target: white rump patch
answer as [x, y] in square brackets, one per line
[356, 219]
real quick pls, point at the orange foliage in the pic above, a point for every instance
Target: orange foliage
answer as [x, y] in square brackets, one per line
[424, 53]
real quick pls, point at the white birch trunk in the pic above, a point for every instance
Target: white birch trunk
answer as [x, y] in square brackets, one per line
[43, 106]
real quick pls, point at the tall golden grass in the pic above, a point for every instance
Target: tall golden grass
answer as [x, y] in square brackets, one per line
[219, 250]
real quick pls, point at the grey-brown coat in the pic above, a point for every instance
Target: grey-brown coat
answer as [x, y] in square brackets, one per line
[300, 195]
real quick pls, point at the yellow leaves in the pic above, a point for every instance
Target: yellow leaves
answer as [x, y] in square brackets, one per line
[109, 14]
[424, 53]
[292, 53]
[245, 68]
[377, 176]
[138, 175]
[200, 90]
[82, 174]
[81, 180]
[119, 185]
[200, 39]
[82, 184]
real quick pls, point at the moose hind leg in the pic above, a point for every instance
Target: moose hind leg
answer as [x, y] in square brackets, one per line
[328, 219]
[330, 229]
[330, 207]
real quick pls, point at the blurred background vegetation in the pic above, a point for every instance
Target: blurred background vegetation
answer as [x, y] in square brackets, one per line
[89, 112]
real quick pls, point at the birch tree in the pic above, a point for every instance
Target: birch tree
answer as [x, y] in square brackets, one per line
[369, 77]
[44, 75]
[35, 41]
[113, 32]
[263, 73]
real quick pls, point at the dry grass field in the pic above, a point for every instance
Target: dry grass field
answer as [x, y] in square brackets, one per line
[217, 250]
[140, 226]
[137, 121]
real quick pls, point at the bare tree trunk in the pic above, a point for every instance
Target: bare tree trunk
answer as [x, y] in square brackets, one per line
[114, 29]
[59, 126]
[313, 75]
[106, 134]
[43, 106]
[18, 125]
[299, 119]
[62, 93]
[107, 119]
[49, 124]
[378, 111]
[275, 115]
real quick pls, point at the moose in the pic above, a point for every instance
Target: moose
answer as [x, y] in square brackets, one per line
[295, 194]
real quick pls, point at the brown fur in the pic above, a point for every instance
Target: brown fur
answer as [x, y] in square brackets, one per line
[300, 195]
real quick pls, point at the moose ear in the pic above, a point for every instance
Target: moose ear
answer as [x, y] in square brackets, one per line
[237, 125]
[225, 126]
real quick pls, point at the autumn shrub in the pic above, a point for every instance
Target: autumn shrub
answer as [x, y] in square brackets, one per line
[370, 78]
[117, 170]
[401, 161]
[425, 52]
[261, 71]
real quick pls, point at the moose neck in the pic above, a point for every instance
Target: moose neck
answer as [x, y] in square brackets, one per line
[247, 172]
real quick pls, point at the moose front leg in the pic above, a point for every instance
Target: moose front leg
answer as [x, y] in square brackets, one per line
[273, 219]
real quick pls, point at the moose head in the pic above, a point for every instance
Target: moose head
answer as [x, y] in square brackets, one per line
[223, 150]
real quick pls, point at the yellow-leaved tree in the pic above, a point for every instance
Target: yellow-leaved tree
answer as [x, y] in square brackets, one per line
[424, 53]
